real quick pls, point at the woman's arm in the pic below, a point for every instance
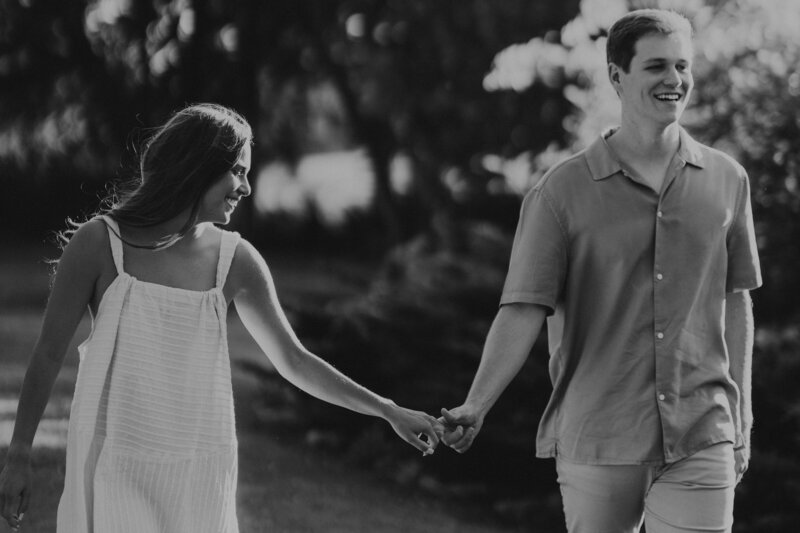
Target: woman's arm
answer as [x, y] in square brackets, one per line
[75, 279]
[77, 272]
[257, 304]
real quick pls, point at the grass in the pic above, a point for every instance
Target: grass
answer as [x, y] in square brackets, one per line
[284, 485]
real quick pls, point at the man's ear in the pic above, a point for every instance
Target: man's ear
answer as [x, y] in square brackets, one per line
[614, 76]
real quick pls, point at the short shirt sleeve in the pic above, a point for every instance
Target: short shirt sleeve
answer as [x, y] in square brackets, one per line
[537, 269]
[744, 270]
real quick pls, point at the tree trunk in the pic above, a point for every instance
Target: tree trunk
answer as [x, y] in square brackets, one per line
[375, 133]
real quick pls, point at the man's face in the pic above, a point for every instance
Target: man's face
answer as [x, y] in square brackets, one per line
[658, 83]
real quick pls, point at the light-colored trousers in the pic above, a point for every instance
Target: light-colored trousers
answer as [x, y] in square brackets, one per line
[691, 495]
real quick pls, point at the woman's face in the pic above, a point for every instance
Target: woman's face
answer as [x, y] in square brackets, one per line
[222, 198]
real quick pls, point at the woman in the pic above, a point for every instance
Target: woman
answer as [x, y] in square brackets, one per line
[152, 444]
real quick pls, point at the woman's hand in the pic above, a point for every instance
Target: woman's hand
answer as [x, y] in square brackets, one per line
[413, 425]
[15, 487]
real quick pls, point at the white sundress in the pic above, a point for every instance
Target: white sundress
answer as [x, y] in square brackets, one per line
[152, 444]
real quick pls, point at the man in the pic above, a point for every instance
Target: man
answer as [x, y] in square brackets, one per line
[640, 252]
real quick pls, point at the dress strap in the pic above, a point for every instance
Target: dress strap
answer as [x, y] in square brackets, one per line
[115, 240]
[227, 248]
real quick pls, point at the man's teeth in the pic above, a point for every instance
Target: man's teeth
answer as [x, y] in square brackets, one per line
[669, 97]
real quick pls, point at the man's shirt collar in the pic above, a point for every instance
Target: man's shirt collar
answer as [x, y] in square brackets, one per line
[603, 162]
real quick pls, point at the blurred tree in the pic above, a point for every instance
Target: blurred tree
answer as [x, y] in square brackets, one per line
[409, 76]
[78, 76]
[43, 109]
[57, 113]
[748, 106]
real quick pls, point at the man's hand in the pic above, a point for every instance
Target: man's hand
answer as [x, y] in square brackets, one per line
[510, 339]
[462, 425]
[741, 457]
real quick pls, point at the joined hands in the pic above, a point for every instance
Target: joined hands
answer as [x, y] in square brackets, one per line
[456, 428]
[461, 425]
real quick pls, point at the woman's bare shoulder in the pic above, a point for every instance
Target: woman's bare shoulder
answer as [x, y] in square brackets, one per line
[247, 259]
[90, 235]
[87, 244]
[248, 269]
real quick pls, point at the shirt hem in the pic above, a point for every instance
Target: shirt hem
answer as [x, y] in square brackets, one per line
[554, 452]
[700, 447]
[598, 461]
[527, 298]
[750, 285]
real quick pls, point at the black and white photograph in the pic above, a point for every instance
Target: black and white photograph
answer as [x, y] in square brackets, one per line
[399, 266]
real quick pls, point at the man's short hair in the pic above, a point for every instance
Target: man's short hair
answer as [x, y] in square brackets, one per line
[626, 32]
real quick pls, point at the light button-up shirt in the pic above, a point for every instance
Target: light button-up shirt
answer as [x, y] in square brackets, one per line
[635, 284]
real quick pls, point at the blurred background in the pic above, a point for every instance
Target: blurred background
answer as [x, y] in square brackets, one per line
[394, 142]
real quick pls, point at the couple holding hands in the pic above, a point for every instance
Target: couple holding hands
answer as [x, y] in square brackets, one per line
[638, 252]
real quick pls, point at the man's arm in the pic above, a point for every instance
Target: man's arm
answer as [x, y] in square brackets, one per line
[739, 333]
[510, 339]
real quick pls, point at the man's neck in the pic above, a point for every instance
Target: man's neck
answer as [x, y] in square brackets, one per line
[634, 142]
[646, 151]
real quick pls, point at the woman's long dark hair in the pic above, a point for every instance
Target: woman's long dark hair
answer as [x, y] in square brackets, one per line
[178, 164]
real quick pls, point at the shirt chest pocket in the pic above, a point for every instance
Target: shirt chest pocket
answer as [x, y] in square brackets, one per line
[699, 214]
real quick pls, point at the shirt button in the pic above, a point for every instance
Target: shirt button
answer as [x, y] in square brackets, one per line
[659, 277]
[662, 397]
[660, 335]
[659, 214]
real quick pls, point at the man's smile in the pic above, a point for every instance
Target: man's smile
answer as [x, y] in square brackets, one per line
[668, 96]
